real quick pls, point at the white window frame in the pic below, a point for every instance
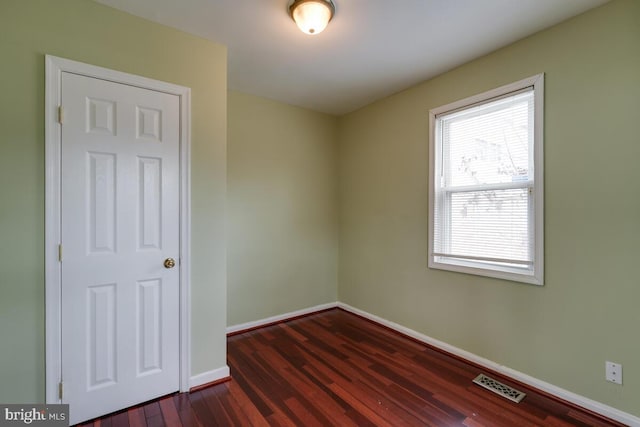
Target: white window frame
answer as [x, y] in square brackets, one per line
[536, 274]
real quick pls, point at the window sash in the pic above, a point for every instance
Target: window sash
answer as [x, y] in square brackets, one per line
[442, 240]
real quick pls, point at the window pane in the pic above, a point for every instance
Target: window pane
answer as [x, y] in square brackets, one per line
[491, 224]
[490, 143]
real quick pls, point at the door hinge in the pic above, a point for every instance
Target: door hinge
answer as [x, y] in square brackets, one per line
[60, 253]
[60, 390]
[60, 114]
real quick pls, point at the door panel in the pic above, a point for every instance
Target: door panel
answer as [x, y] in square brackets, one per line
[149, 212]
[102, 205]
[149, 332]
[120, 221]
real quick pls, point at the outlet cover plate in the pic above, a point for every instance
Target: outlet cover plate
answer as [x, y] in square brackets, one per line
[613, 372]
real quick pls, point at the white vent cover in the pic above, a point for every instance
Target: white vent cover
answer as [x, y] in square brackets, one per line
[499, 388]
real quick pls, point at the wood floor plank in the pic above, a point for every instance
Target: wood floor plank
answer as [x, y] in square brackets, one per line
[120, 420]
[425, 408]
[337, 369]
[105, 422]
[169, 412]
[188, 417]
[152, 409]
[582, 417]
[236, 412]
[136, 417]
[257, 398]
[252, 413]
[292, 332]
[302, 413]
[313, 396]
[222, 414]
[552, 421]
[156, 421]
[201, 409]
[370, 415]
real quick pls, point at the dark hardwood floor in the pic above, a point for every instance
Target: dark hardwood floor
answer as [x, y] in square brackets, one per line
[336, 369]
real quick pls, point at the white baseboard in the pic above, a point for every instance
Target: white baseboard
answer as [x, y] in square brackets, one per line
[279, 318]
[584, 402]
[209, 377]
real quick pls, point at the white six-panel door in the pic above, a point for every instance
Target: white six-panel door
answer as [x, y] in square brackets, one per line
[119, 223]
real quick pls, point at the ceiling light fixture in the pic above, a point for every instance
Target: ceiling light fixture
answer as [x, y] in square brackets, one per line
[312, 16]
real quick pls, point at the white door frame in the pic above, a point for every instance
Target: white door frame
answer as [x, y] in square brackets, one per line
[53, 85]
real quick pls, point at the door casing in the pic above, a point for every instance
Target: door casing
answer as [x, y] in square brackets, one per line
[54, 67]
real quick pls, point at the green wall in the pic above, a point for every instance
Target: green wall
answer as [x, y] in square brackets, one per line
[299, 181]
[587, 312]
[88, 32]
[282, 208]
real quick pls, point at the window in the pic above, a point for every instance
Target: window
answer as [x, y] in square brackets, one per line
[486, 187]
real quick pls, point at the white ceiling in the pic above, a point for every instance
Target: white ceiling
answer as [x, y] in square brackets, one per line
[371, 48]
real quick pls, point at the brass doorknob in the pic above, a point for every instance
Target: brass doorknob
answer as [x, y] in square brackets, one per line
[169, 263]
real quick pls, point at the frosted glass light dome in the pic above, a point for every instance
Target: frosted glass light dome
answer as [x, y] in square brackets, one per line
[312, 16]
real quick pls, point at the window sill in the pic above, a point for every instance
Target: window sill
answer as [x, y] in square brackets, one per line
[498, 272]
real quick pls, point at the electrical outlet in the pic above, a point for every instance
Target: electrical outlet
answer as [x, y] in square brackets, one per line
[613, 372]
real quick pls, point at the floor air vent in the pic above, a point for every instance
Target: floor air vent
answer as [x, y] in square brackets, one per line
[499, 388]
